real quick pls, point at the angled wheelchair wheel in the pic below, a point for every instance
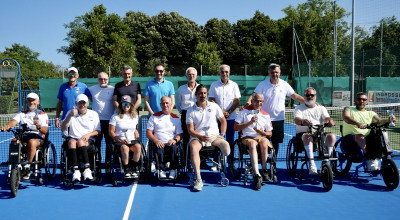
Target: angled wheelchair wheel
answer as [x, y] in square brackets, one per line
[291, 157]
[50, 162]
[342, 165]
[15, 181]
[390, 173]
[236, 165]
[326, 176]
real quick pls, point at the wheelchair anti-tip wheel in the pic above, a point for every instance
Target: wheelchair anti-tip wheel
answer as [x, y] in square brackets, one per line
[390, 173]
[326, 176]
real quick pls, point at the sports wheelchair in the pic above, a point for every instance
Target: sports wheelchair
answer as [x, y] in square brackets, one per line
[154, 160]
[45, 157]
[207, 155]
[294, 154]
[66, 166]
[378, 141]
[114, 168]
[240, 162]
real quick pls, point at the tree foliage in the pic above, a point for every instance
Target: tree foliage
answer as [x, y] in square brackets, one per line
[206, 55]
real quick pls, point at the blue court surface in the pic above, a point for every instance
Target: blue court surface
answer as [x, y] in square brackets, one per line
[362, 198]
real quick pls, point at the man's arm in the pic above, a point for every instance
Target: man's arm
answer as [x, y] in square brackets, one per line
[222, 120]
[138, 101]
[152, 138]
[346, 118]
[173, 101]
[58, 112]
[147, 104]
[115, 101]
[297, 97]
[9, 125]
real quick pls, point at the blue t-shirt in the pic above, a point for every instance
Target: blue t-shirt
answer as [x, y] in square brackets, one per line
[155, 91]
[68, 95]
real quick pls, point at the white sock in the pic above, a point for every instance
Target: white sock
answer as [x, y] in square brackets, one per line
[330, 149]
[27, 166]
[309, 151]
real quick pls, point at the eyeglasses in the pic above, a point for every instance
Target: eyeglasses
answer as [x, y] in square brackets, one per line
[158, 71]
[72, 74]
[361, 99]
[101, 79]
[125, 104]
[310, 95]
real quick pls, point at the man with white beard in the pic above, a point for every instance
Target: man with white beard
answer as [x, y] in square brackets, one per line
[311, 114]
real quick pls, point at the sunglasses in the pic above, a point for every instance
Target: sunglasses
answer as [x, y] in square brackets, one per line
[125, 104]
[360, 99]
[310, 95]
[224, 72]
[158, 71]
[72, 74]
[103, 79]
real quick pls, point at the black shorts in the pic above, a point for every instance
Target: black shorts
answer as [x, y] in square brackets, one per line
[27, 136]
[118, 144]
[277, 132]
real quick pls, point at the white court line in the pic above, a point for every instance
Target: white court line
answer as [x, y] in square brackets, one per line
[289, 135]
[5, 140]
[130, 201]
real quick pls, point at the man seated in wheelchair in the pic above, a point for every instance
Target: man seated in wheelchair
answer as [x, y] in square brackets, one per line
[201, 121]
[122, 130]
[36, 122]
[309, 114]
[356, 121]
[164, 130]
[82, 125]
[255, 125]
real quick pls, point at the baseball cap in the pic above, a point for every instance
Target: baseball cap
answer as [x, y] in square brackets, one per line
[126, 98]
[82, 97]
[32, 95]
[72, 69]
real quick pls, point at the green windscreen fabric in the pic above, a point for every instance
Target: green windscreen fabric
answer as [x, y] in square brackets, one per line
[383, 84]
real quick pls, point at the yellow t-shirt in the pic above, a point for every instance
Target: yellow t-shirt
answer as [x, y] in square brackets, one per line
[363, 117]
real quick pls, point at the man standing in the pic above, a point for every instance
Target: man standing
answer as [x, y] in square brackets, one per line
[164, 130]
[202, 115]
[186, 99]
[102, 103]
[127, 87]
[157, 88]
[68, 92]
[311, 114]
[226, 94]
[275, 91]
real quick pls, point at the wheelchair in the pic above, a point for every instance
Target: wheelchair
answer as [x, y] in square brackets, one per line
[153, 160]
[207, 155]
[114, 168]
[348, 152]
[66, 163]
[45, 157]
[295, 154]
[240, 163]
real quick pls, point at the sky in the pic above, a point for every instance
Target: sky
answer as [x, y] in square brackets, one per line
[39, 24]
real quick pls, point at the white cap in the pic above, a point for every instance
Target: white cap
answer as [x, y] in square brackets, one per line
[32, 95]
[82, 97]
[72, 69]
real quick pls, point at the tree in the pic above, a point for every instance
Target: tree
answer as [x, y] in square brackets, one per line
[98, 41]
[206, 55]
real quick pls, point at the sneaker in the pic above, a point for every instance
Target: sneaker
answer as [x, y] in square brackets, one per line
[313, 169]
[162, 174]
[214, 168]
[372, 165]
[25, 174]
[265, 175]
[257, 182]
[134, 174]
[128, 173]
[198, 185]
[172, 174]
[76, 177]
[87, 174]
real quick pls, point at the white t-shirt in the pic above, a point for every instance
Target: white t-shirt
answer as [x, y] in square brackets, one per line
[316, 115]
[80, 125]
[224, 95]
[185, 98]
[274, 97]
[102, 101]
[263, 122]
[205, 118]
[165, 127]
[27, 117]
[125, 127]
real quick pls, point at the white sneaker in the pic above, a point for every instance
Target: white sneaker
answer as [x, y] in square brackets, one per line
[313, 169]
[214, 168]
[198, 185]
[172, 174]
[153, 167]
[162, 174]
[134, 174]
[87, 174]
[372, 165]
[76, 177]
[127, 173]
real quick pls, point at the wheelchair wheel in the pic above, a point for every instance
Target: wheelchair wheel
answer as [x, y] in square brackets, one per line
[390, 173]
[326, 176]
[15, 181]
[236, 164]
[291, 157]
[50, 162]
[109, 162]
[342, 165]
[143, 161]
[272, 160]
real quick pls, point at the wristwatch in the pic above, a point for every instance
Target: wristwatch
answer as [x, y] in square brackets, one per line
[222, 134]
